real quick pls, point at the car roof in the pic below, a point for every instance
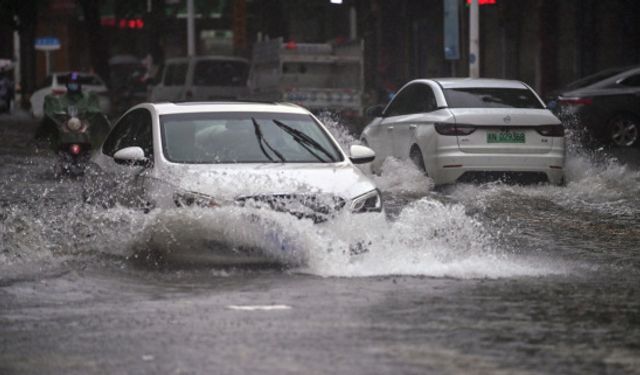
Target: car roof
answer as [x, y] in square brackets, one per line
[453, 83]
[197, 107]
[606, 75]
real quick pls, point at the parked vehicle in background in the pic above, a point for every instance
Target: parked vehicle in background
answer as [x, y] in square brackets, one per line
[606, 104]
[463, 130]
[55, 83]
[202, 78]
[317, 76]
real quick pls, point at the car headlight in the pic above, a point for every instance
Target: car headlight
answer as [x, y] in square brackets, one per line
[191, 199]
[368, 202]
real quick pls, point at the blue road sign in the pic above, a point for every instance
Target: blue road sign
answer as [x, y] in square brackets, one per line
[47, 43]
[451, 30]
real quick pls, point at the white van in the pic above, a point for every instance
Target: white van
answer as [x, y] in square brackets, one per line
[202, 78]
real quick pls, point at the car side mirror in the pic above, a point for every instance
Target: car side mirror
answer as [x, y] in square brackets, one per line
[132, 155]
[375, 111]
[361, 154]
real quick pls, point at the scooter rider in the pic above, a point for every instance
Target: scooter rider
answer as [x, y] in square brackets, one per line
[86, 104]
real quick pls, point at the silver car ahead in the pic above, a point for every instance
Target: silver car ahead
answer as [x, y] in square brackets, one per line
[463, 130]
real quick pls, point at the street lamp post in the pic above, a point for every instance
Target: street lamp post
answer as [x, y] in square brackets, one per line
[191, 39]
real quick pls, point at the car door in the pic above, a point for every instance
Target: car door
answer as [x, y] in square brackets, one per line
[122, 183]
[177, 89]
[632, 91]
[420, 102]
[172, 87]
[392, 116]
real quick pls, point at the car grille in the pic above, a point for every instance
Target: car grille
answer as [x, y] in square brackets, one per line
[506, 177]
[316, 207]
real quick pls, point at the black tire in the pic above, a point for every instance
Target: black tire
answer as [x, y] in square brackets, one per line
[624, 131]
[416, 157]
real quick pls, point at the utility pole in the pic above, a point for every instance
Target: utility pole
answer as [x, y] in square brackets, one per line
[474, 40]
[191, 32]
[353, 23]
[17, 77]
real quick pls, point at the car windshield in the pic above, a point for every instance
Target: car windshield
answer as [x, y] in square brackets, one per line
[230, 137]
[475, 97]
[220, 73]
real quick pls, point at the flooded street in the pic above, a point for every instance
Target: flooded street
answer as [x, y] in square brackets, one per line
[481, 279]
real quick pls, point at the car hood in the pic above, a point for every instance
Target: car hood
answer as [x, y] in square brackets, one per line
[229, 181]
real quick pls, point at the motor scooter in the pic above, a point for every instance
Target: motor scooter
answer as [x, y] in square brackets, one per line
[73, 144]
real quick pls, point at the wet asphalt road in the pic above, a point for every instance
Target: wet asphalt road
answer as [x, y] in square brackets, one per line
[467, 280]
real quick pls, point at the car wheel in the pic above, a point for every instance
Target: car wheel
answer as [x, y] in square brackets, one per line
[624, 131]
[416, 157]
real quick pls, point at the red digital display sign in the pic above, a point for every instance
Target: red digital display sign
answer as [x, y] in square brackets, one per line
[483, 2]
[123, 23]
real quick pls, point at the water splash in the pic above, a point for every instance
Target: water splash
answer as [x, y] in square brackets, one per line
[402, 177]
[427, 236]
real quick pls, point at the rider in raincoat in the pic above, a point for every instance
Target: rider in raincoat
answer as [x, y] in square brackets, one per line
[74, 102]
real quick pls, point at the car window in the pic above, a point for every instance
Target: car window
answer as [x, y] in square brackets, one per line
[417, 98]
[134, 129]
[400, 104]
[490, 97]
[168, 74]
[222, 138]
[631, 81]
[220, 73]
[176, 74]
[424, 100]
[48, 81]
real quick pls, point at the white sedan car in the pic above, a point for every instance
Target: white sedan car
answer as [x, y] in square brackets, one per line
[274, 156]
[464, 130]
[55, 83]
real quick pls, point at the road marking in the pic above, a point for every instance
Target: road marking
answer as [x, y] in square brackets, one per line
[258, 307]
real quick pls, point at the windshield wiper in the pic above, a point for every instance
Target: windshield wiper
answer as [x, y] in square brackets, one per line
[305, 140]
[262, 142]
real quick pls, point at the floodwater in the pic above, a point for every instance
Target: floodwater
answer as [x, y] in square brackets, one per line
[482, 279]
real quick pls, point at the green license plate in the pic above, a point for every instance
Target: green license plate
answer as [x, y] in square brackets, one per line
[505, 137]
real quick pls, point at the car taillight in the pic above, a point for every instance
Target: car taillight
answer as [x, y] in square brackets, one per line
[575, 101]
[551, 130]
[454, 129]
[58, 91]
[75, 149]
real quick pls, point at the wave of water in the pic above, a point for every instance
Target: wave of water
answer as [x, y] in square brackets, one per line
[597, 184]
[428, 238]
